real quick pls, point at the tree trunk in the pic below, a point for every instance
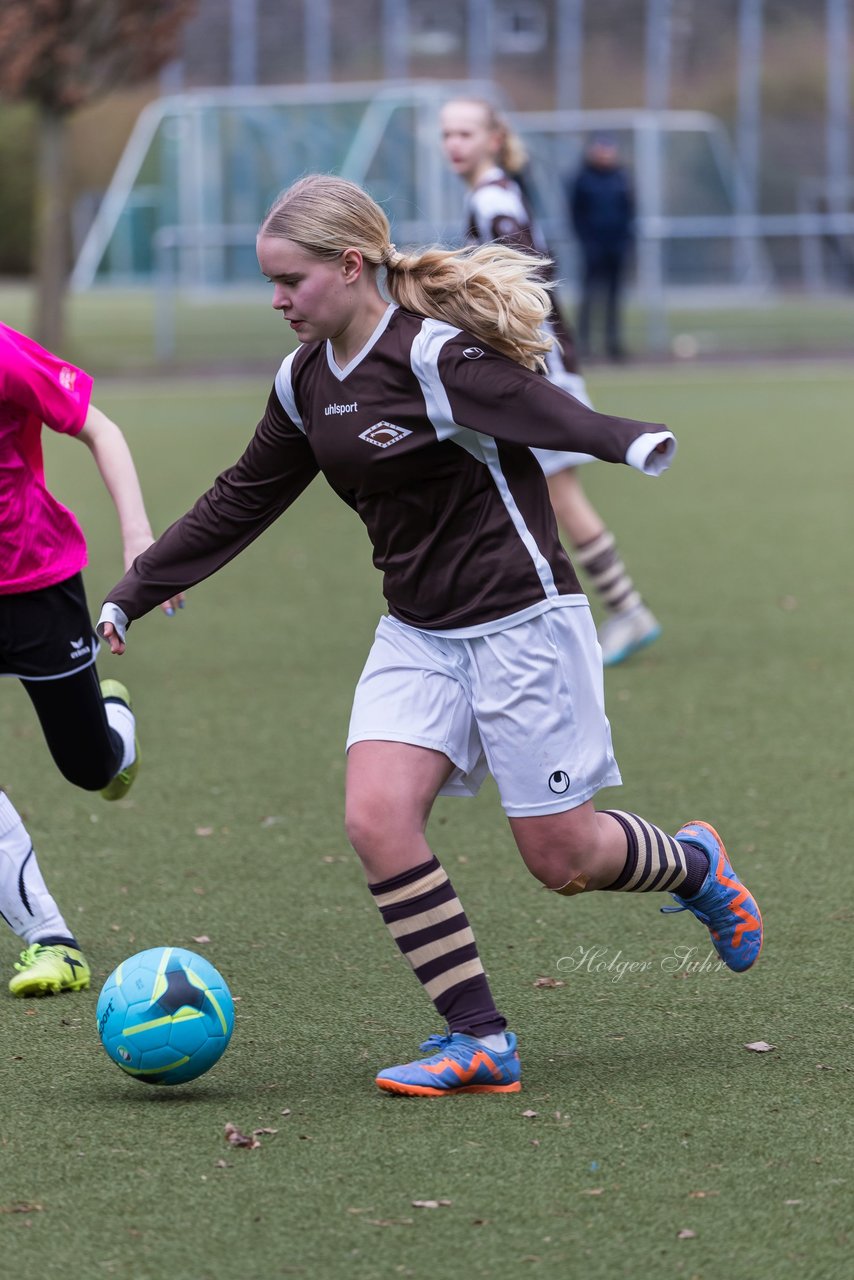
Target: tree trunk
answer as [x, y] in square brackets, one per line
[51, 229]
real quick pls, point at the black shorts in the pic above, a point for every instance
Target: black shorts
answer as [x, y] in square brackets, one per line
[46, 634]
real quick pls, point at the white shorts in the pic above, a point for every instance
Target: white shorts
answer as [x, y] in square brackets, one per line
[550, 460]
[526, 705]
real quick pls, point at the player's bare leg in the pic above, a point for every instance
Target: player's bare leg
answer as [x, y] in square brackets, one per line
[391, 787]
[581, 849]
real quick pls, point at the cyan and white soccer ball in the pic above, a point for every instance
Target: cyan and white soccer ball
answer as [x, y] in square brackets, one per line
[165, 1015]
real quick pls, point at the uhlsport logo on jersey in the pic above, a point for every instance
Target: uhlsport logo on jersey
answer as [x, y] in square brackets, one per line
[79, 649]
[472, 353]
[384, 434]
[333, 410]
[559, 782]
[67, 377]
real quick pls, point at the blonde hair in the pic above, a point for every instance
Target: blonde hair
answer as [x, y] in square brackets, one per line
[492, 291]
[512, 156]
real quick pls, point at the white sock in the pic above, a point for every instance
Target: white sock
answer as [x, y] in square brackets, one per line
[25, 902]
[498, 1041]
[122, 719]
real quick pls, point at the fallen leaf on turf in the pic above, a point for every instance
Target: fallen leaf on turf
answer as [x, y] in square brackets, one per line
[257, 1132]
[535, 1142]
[430, 1204]
[203, 937]
[529, 1115]
[22, 1206]
[593, 1191]
[390, 1222]
[238, 1139]
[793, 1202]
[701, 1195]
[685, 1234]
[204, 831]
[760, 1046]
[222, 1164]
[549, 982]
[287, 1111]
[271, 821]
[821, 1066]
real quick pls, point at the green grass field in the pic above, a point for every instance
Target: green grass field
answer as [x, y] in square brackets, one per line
[650, 1117]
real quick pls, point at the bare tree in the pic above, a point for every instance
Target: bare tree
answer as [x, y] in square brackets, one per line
[60, 55]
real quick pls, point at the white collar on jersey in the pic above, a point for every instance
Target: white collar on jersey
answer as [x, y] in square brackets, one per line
[492, 175]
[341, 374]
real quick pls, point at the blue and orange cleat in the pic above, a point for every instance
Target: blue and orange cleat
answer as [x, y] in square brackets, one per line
[461, 1064]
[723, 903]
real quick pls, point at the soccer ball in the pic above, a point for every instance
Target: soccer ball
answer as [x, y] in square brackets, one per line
[165, 1016]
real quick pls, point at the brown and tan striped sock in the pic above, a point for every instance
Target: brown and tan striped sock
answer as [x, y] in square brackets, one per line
[427, 921]
[602, 563]
[655, 862]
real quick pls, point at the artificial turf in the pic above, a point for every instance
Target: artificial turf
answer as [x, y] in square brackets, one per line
[647, 1141]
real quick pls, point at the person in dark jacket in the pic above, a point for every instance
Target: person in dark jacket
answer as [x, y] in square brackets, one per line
[602, 214]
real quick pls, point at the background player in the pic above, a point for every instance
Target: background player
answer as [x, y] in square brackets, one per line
[490, 158]
[420, 416]
[46, 636]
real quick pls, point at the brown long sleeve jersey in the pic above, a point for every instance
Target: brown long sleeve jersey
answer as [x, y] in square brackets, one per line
[425, 435]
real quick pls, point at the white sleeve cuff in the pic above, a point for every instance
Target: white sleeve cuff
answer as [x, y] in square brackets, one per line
[641, 452]
[118, 617]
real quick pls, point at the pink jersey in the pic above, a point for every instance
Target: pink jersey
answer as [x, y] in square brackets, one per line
[41, 542]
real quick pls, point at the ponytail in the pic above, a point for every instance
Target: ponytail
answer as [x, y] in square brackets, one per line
[492, 291]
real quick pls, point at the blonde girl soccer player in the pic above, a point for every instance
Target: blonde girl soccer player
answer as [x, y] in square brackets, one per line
[46, 637]
[419, 412]
[489, 157]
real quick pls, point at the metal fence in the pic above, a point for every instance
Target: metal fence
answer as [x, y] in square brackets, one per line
[201, 168]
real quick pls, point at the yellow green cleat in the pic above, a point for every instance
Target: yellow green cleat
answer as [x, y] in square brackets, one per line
[118, 787]
[45, 971]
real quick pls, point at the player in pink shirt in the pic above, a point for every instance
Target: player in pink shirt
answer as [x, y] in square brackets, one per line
[46, 637]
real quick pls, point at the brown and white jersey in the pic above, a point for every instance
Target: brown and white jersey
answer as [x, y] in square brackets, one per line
[497, 210]
[425, 435]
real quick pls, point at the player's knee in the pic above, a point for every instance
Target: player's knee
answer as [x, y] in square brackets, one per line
[555, 862]
[555, 868]
[366, 822]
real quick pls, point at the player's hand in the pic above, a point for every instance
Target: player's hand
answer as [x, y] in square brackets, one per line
[112, 638]
[176, 602]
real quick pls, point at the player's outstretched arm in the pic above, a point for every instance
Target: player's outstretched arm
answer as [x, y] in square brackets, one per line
[115, 463]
